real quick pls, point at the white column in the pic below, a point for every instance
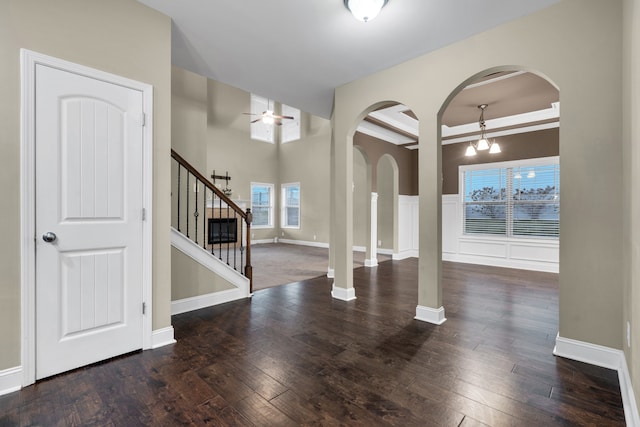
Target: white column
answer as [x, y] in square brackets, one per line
[373, 259]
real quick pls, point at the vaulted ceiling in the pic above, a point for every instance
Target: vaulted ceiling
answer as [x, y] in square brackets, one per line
[298, 51]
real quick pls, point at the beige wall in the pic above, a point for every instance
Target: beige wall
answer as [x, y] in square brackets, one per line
[230, 148]
[530, 145]
[121, 37]
[307, 161]
[190, 279]
[387, 175]
[560, 43]
[631, 182]
[361, 198]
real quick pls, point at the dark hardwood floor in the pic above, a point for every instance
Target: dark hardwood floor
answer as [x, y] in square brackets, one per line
[294, 356]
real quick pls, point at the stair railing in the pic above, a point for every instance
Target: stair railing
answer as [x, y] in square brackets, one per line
[204, 214]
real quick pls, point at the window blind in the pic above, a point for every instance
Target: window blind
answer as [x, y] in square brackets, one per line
[518, 201]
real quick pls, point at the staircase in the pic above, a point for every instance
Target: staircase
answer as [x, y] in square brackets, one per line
[208, 226]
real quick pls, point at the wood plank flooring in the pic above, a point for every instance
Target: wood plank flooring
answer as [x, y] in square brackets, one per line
[294, 356]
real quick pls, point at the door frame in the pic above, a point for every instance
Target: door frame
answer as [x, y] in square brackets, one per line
[28, 61]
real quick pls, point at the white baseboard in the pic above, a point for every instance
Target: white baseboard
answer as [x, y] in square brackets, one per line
[305, 243]
[373, 262]
[607, 358]
[360, 249]
[547, 267]
[264, 241]
[409, 253]
[162, 337]
[10, 380]
[384, 251]
[342, 293]
[331, 273]
[430, 315]
[201, 301]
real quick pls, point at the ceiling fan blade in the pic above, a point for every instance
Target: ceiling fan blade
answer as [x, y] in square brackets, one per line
[252, 114]
[256, 120]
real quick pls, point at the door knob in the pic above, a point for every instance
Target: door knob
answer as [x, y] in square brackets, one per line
[49, 237]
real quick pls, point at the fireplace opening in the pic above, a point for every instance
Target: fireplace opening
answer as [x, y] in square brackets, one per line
[222, 230]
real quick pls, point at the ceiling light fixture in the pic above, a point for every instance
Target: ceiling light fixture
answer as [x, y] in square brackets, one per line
[483, 143]
[365, 10]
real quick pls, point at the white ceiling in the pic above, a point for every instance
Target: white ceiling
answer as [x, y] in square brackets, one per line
[298, 51]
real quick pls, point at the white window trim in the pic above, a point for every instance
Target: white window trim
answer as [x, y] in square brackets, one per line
[283, 206]
[271, 203]
[538, 161]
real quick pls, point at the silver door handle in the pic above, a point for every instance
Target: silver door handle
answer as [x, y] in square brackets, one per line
[49, 237]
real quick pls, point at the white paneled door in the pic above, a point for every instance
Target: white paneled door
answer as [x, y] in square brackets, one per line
[89, 220]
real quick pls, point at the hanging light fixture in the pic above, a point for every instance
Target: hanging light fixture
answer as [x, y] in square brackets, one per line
[365, 10]
[483, 143]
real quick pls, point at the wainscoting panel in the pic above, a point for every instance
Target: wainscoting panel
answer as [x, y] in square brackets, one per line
[528, 254]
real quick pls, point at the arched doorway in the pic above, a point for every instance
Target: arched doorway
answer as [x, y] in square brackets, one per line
[500, 201]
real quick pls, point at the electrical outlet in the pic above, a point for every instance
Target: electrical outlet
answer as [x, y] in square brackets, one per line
[283, 234]
[253, 235]
[628, 334]
[379, 243]
[314, 237]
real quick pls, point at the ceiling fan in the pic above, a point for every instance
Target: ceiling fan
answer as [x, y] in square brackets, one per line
[269, 118]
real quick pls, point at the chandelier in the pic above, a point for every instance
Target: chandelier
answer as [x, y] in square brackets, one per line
[483, 143]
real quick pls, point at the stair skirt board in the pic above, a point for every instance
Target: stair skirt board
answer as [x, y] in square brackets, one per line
[213, 264]
[201, 301]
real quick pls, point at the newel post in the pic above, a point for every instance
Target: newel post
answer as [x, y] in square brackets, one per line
[248, 269]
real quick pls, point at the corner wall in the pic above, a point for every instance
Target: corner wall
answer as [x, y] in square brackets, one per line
[631, 186]
[121, 37]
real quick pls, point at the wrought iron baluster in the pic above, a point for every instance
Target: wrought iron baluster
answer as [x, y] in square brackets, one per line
[204, 217]
[196, 214]
[188, 174]
[179, 172]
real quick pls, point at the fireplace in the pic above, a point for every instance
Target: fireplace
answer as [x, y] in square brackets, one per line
[223, 230]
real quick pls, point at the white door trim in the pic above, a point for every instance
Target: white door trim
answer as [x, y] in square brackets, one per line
[29, 60]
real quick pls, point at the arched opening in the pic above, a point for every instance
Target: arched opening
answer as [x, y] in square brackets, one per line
[500, 206]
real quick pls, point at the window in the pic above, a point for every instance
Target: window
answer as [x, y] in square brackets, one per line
[515, 199]
[260, 130]
[262, 205]
[291, 205]
[290, 129]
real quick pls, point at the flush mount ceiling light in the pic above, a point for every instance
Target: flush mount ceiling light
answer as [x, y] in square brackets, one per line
[483, 143]
[365, 10]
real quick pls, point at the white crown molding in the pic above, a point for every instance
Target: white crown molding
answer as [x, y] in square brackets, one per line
[516, 120]
[384, 134]
[395, 116]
